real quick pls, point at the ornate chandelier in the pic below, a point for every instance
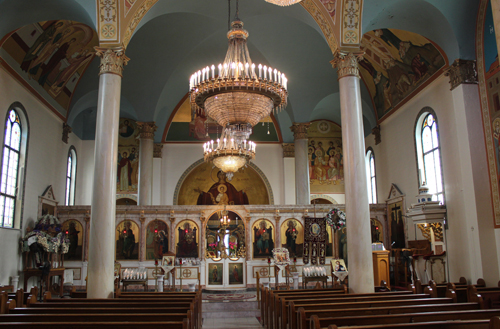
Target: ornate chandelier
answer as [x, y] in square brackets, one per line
[283, 2]
[237, 98]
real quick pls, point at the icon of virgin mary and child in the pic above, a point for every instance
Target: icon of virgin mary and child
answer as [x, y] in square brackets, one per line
[222, 193]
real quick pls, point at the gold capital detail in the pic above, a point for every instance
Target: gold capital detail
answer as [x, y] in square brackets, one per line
[157, 150]
[112, 60]
[300, 130]
[146, 130]
[346, 63]
[462, 71]
[288, 150]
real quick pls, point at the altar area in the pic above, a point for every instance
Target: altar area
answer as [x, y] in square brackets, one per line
[192, 235]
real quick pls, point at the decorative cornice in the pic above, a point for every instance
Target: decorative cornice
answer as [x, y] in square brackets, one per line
[146, 130]
[462, 71]
[112, 60]
[288, 150]
[157, 150]
[346, 63]
[300, 130]
[66, 131]
[376, 133]
[136, 19]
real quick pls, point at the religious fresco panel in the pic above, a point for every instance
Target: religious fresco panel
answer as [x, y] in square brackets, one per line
[326, 164]
[74, 232]
[263, 238]
[127, 180]
[292, 237]
[127, 240]
[157, 234]
[395, 64]
[206, 185]
[187, 237]
[52, 55]
[488, 67]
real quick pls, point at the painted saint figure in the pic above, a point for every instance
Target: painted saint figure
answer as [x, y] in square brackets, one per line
[222, 193]
[187, 246]
[291, 237]
[124, 172]
[128, 244]
[263, 240]
[235, 274]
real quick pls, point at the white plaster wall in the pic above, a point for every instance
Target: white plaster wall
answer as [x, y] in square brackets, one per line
[46, 165]
[396, 163]
[289, 180]
[177, 157]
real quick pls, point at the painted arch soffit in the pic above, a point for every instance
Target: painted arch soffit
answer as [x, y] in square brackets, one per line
[118, 19]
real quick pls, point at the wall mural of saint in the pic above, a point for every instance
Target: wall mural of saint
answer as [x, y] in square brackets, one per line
[263, 238]
[53, 55]
[156, 243]
[222, 193]
[326, 157]
[74, 232]
[127, 240]
[292, 237]
[128, 157]
[186, 239]
[207, 185]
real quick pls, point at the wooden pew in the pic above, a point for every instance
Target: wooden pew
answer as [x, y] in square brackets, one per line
[93, 325]
[303, 316]
[294, 307]
[96, 317]
[490, 295]
[95, 310]
[269, 296]
[493, 323]
[289, 313]
[316, 322]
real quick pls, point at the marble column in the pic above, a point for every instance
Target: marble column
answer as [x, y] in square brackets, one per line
[356, 185]
[302, 192]
[100, 282]
[146, 148]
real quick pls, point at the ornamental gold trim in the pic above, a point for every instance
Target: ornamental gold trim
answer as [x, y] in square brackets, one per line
[288, 150]
[462, 72]
[347, 63]
[146, 130]
[300, 130]
[112, 60]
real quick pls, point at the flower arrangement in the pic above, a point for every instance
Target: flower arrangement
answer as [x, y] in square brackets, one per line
[48, 234]
[212, 246]
[336, 219]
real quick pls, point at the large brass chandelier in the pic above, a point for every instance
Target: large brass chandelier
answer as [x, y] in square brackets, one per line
[236, 94]
[283, 2]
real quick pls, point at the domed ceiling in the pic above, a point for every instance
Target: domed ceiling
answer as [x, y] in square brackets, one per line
[407, 45]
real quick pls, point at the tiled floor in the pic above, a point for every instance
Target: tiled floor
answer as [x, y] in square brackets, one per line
[226, 323]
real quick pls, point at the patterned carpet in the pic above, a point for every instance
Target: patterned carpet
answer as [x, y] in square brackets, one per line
[228, 296]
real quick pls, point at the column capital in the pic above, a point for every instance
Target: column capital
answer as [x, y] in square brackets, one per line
[300, 130]
[462, 71]
[66, 131]
[288, 150]
[376, 133]
[112, 60]
[346, 63]
[146, 129]
[157, 150]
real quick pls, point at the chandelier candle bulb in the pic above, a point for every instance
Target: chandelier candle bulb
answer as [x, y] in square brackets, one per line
[270, 71]
[213, 71]
[275, 73]
[246, 69]
[265, 72]
[260, 71]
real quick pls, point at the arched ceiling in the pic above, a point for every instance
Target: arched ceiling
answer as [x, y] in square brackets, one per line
[175, 38]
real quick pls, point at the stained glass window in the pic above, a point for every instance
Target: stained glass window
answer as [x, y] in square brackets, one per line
[10, 168]
[69, 199]
[372, 181]
[431, 171]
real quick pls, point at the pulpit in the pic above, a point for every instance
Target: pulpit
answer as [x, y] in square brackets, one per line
[381, 266]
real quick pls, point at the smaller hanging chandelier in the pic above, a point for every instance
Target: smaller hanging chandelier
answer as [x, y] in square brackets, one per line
[224, 218]
[232, 151]
[283, 3]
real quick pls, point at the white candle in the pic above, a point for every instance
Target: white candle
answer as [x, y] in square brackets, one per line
[245, 144]
[199, 76]
[218, 143]
[265, 72]
[279, 77]
[260, 71]
[253, 70]
[213, 71]
[275, 73]
[203, 74]
[220, 69]
[226, 73]
[224, 142]
[208, 73]
[211, 145]
[246, 69]
[233, 69]
[232, 143]
[270, 72]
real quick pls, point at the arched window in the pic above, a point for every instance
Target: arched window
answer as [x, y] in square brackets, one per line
[12, 180]
[429, 155]
[370, 174]
[70, 177]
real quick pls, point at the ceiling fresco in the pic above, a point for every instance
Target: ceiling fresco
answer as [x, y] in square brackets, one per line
[396, 63]
[51, 56]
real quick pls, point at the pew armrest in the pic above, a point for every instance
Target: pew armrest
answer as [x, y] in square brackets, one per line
[314, 322]
[451, 294]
